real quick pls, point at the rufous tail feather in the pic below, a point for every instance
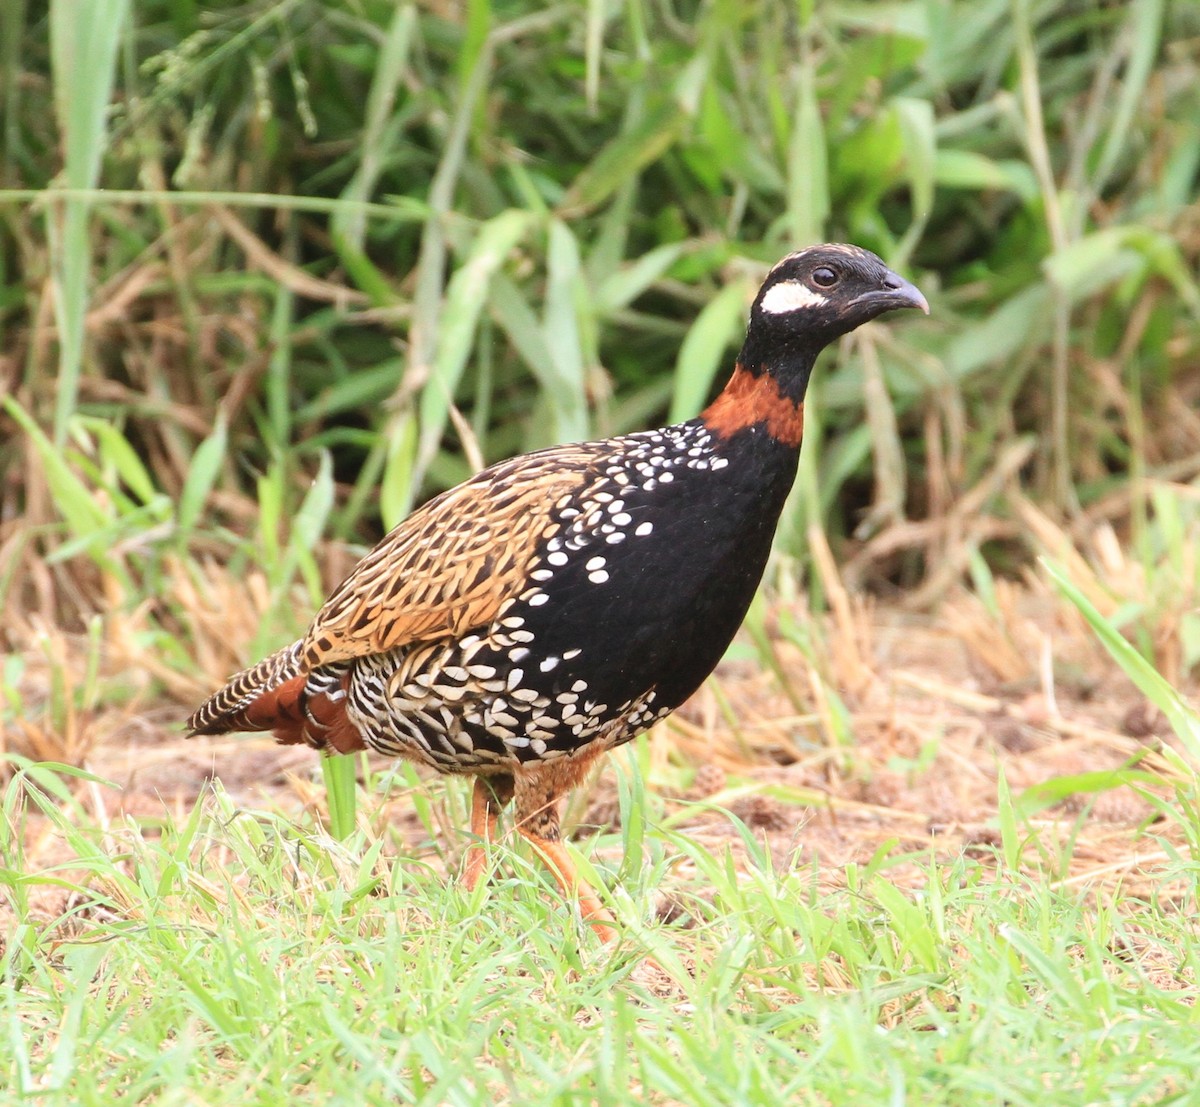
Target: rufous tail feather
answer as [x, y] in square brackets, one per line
[275, 695]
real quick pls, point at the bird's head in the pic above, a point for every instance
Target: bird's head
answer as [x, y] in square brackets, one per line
[830, 290]
[813, 297]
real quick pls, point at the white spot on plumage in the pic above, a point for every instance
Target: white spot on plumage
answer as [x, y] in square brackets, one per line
[644, 528]
[790, 296]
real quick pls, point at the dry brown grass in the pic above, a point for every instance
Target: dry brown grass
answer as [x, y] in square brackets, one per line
[937, 706]
[875, 726]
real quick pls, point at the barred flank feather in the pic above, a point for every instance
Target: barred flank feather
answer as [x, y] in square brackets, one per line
[229, 709]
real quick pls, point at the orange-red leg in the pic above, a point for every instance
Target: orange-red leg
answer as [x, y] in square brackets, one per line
[554, 854]
[487, 800]
[537, 820]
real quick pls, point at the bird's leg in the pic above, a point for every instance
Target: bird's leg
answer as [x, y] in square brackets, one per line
[554, 854]
[489, 798]
[540, 828]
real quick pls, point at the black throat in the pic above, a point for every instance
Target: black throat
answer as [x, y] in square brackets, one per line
[788, 358]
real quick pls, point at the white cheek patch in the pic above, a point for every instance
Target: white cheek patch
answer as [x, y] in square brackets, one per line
[790, 296]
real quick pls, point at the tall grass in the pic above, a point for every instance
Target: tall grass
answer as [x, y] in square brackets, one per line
[279, 271]
[325, 227]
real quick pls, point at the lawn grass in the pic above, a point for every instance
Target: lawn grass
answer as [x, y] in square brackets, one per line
[226, 955]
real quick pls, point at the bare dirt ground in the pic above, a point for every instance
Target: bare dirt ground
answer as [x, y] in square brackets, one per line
[892, 739]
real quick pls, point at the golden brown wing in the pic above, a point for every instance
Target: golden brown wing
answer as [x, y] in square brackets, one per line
[451, 564]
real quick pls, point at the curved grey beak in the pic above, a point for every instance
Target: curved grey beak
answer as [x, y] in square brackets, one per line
[895, 292]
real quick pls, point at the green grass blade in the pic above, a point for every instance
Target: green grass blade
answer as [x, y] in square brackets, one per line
[71, 496]
[1143, 32]
[339, 774]
[83, 49]
[465, 299]
[1184, 720]
[1006, 813]
[918, 135]
[704, 349]
[625, 156]
[349, 222]
[202, 476]
[1037, 797]
[565, 304]
[116, 452]
[307, 528]
[624, 285]
[808, 170]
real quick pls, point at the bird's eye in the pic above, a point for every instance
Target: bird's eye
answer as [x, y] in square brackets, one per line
[824, 276]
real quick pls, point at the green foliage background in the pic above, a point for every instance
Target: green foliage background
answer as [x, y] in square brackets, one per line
[250, 253]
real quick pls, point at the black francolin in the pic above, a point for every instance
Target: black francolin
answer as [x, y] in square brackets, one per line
[557, 604]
